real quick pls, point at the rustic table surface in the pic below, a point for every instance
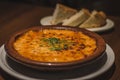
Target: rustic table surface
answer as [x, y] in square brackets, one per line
[17, 16]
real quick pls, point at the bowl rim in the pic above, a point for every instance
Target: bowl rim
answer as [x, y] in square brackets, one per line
[12, 53]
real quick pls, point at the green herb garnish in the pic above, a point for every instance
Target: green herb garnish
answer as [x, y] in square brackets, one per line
[56, 44]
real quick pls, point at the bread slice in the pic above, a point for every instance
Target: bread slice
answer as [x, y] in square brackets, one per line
[77, 18]
[62, 12]
[97, 19]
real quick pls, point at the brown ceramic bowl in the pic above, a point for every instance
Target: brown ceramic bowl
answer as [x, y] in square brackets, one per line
[12, 53]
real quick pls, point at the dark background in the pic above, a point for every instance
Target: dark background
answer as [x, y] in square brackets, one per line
[110, 7]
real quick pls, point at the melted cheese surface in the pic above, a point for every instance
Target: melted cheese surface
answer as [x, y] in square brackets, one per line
[55, 45]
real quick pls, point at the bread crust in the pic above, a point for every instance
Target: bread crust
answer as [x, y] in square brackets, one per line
[77, 18]
[61, 13]
[97, 19]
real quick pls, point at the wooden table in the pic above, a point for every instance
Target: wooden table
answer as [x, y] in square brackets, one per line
[17, 16]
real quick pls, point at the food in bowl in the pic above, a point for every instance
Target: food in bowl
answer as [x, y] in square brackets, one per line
[54, 46]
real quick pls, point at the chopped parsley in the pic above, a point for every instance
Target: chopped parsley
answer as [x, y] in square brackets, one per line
[57, 44]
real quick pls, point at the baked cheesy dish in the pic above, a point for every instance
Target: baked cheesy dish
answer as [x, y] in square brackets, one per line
[52, 45]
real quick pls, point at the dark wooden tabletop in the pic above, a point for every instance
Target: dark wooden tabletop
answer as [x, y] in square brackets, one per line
[16, 16]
